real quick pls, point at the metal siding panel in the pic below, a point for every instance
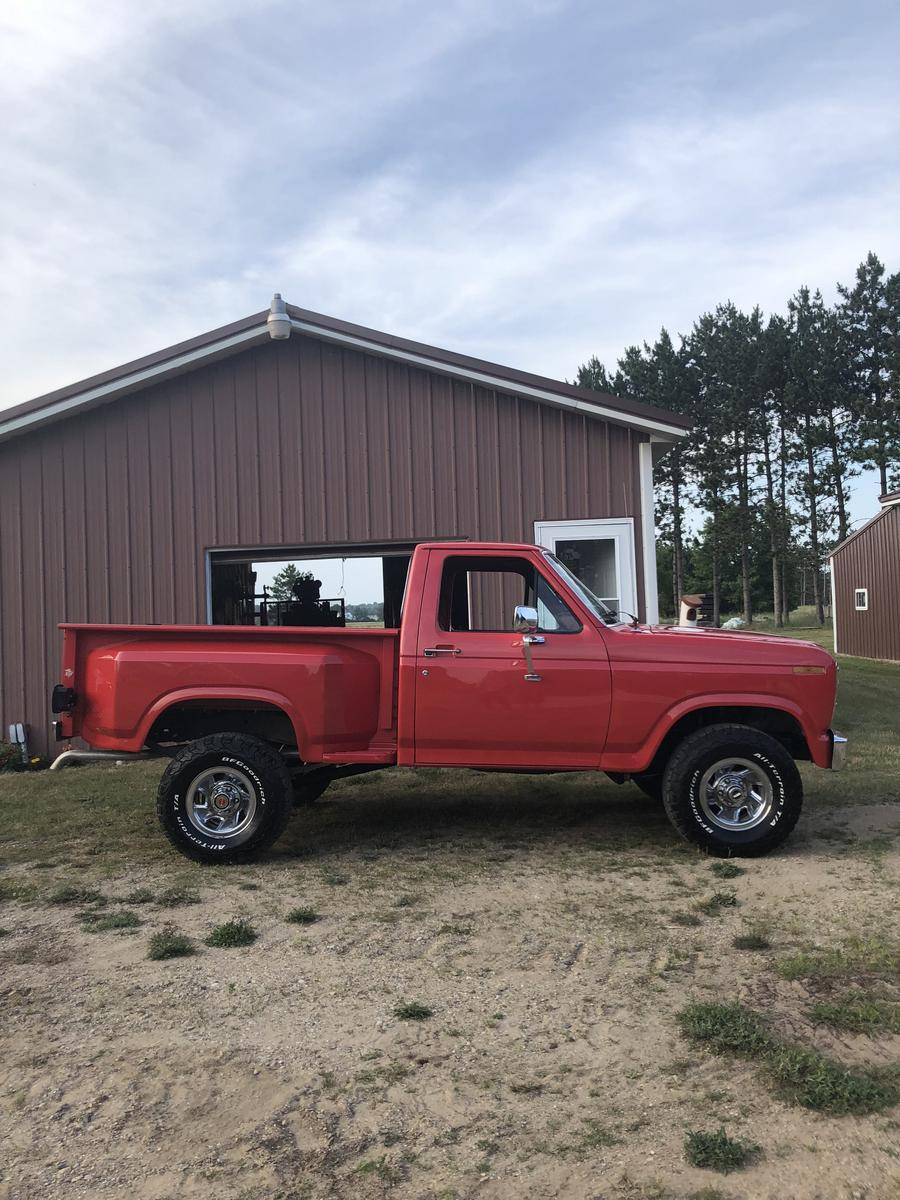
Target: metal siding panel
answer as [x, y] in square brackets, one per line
[353, 402]
[447, 519]
[288, 447]
[53, 565]
[224, 466]
[378, 439]
[160, 472]
[34, 612]
[422, 455]
[313, 464]
[97, 517]
[186, 598]
[466, 490]
[12, 596]
[246, 451]
[139, 511]
[487, 462]
[334, 446]
[73, 517]
[402, 498]
[204, 476]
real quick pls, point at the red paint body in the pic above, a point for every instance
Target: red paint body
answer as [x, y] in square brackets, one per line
[606, 699]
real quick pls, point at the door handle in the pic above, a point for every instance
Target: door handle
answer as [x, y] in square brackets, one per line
[434, 651]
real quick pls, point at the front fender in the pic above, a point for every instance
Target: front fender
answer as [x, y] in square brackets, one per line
[637, 758]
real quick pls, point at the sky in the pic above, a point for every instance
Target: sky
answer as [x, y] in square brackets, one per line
[527, 181]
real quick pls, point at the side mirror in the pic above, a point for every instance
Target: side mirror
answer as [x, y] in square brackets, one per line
[525, 619]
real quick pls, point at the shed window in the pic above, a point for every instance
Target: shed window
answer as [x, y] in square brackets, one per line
[861, 599]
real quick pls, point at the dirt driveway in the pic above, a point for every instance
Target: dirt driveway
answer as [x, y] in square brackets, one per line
[553, 929]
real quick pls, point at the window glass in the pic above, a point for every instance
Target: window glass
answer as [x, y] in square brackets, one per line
[480, 594]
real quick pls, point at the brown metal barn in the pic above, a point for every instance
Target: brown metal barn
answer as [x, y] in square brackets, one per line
[865, 583]
[156, 492]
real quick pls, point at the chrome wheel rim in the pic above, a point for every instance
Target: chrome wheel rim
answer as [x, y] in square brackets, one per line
[736, 794]
[221, 802]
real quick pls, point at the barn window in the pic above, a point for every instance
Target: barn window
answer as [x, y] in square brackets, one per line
[861, 599]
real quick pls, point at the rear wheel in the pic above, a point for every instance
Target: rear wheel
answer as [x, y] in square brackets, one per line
[224, 797]
[732, 789]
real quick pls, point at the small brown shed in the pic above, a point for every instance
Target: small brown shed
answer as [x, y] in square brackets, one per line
[168, 489]
[865, 586]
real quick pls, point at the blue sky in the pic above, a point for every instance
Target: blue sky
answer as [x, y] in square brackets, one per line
[530, 181]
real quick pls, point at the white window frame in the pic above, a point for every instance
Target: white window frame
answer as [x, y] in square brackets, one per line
[864, 592]
[619, 529]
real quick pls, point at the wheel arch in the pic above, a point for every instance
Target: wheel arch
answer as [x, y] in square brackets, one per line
[780, 720]
[200, 712]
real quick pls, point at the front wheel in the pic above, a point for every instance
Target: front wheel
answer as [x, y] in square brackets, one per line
[224, 798]
[732, 789]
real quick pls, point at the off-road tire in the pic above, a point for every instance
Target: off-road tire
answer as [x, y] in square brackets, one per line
[259, 763]
[703, 748]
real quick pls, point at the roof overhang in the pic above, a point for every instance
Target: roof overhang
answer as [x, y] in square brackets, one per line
[658, 424]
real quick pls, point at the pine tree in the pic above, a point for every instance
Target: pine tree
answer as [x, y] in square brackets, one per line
[282, 586]
[866, 318]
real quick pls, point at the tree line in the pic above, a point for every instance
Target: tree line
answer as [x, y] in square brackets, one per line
[787, 410]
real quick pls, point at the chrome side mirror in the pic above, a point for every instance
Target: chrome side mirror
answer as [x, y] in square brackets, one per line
[525, 619]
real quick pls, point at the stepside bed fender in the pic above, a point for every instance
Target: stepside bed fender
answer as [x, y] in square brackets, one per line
[248, 697]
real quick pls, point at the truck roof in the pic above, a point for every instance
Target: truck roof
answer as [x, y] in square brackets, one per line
[467, 547]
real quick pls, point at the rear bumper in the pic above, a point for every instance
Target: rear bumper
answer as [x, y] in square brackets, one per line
[838, 750]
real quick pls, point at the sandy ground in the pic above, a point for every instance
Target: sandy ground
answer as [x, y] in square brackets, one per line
[552, 1065]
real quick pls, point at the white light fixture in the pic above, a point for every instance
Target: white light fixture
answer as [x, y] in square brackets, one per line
[278, 321]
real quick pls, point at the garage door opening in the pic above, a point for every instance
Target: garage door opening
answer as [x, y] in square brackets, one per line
[346, 587]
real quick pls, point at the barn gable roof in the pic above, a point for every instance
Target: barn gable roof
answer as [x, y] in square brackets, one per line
[283, 319]
[889, 501]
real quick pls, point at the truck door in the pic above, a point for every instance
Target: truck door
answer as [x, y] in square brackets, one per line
[477, 703]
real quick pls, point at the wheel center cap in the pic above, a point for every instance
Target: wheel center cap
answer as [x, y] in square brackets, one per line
[731, 791]
[223, 798]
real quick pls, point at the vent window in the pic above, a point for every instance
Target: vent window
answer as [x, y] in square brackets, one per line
[861, 599]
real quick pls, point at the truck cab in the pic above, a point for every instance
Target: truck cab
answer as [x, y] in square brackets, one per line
[504, 660]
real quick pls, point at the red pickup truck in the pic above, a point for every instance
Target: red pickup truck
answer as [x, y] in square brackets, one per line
[503, 661]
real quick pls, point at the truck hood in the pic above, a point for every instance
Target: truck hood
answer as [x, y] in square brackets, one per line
[680, 644]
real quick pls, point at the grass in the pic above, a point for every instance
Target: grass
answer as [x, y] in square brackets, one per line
[302, 916]
[858, 1012]
[689, 920]
[856, 958]
[716, 902]
[232, 934]
[69, 894]
[168, 943]
[106, 922]
[176, 896]
[752, 940]
[726, 870]
[716, 1151]
[800, 1075]
[413, 1010]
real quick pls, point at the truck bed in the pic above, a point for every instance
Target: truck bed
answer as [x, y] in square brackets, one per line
[337, 687]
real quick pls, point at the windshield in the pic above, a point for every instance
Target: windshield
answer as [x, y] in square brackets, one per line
[584, 593]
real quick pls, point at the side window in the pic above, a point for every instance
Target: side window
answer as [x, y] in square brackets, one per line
[479, 594]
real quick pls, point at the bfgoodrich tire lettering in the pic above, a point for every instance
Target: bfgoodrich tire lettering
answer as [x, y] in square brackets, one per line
[255, 793]
[707, 754]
